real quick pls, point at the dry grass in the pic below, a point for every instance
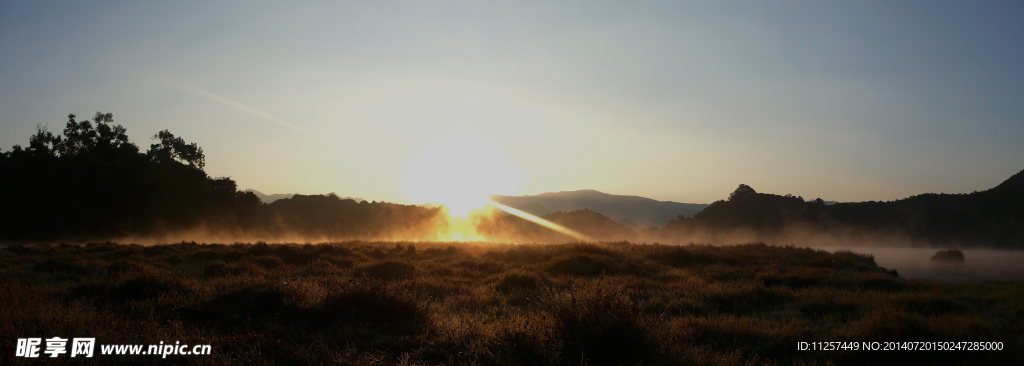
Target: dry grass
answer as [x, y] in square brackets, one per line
[486, 304]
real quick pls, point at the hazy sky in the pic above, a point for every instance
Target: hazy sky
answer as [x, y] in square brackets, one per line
[681, 101]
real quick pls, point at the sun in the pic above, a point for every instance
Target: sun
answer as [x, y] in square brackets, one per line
[459, 171]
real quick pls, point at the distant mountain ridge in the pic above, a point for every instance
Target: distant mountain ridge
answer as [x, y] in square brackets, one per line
[633, 211]
[270, 198]
[990, 218]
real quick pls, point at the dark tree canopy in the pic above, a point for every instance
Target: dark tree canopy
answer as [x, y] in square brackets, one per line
[173, 148]
[742, 190]
[81, 138]
[92, 183]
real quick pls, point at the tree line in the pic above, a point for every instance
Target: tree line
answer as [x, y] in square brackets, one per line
[992, 218]
[92, 183]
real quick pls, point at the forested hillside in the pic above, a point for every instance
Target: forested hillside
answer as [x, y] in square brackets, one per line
[994, 217]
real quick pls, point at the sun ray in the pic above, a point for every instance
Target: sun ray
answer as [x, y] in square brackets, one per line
[542, 222]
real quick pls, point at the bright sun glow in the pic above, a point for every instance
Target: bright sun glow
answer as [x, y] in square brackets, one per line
[460, 172]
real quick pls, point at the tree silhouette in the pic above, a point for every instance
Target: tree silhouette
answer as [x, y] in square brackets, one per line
[173, 148]
[742, 190]
[81, 138]
[92, 183]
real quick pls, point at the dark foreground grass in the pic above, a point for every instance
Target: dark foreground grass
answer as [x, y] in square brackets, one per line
[484, 304]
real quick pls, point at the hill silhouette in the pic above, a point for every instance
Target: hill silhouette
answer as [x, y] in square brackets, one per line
[592, 224]
[993, 218]
[270, 198]
[1013, 184]
[633, 211]
[330, 217]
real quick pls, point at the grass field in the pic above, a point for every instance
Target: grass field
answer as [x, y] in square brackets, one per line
[484, 304]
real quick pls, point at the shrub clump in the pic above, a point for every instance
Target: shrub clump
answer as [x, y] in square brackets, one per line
[120, 267]
[515, 282]
[389, 270]
[63, 265]
[221, 269]
[580, 265]
[373, 302]
[144, 286]
[585, 265]
[269, 262]
[602, 325]
[253, 304]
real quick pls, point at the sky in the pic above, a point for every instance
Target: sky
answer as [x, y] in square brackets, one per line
[680, 101]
